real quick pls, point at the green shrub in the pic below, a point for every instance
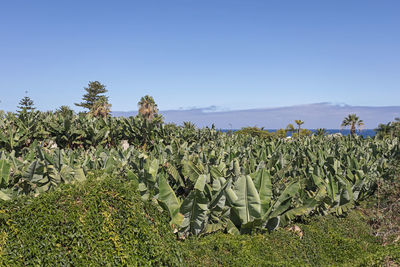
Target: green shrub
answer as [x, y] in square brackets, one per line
[95, 223]
[254, 132]
[327, 241]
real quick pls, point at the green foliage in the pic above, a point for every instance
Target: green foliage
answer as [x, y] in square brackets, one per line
[26, 105]
[321, 131]
[254, 132]
[302, 133]
[299, 123]
[281, 133]
[205, 180]
[290, 128]
[95, 223]
[95, 91]
[101, 108]
[148, 108]
[151, 120]
[353, 121]
[383, 210]
[104, 221]
[209, 181]
[327, 241]
[65, 111]
[19, 131]
[69, 130]
[389, 130]
[4, 173]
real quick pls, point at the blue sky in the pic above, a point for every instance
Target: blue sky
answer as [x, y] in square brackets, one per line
[231, 54]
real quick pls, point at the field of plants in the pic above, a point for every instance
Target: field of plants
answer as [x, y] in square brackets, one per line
[205, 180]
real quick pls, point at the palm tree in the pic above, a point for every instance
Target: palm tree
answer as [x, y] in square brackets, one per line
[352, 120]
[299, 123]
[147, 108]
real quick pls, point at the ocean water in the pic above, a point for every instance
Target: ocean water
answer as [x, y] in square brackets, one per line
[364, 133]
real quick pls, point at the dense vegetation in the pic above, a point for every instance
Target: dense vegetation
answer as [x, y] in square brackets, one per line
[203, 180]
[104, 221]
[389, 130]
[95, 223]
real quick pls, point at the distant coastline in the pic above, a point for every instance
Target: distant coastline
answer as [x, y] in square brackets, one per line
[364, 133]
[317, 115]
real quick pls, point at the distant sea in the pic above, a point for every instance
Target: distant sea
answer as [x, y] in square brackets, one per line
[364, 133]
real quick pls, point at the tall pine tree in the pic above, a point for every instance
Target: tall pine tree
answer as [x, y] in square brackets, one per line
[95, 91]
[26, 104]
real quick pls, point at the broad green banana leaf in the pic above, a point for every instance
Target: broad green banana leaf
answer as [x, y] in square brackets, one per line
[262, 180]
[194, 208]
[170, 201]
[191, 170]
[4, 173]
[247, 206]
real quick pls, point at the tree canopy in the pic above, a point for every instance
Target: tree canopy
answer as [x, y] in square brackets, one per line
[148, 108]
[95, 92]
[26, 104]
[352, 120]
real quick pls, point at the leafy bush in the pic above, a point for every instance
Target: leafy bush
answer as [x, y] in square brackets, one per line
[389, 130]
[95, 223]
[254, 132]
[327, 241]
[303, 132]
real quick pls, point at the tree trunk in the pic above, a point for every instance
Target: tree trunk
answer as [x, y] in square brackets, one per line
[353, 130]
